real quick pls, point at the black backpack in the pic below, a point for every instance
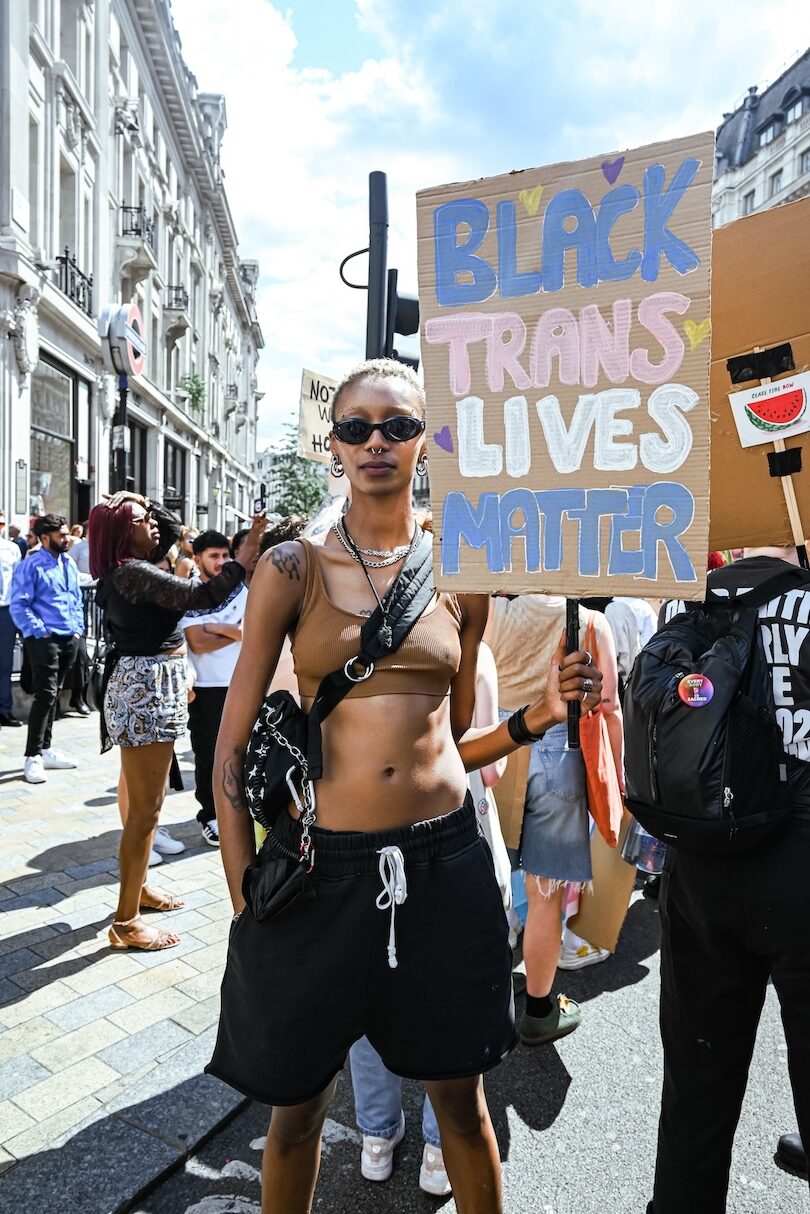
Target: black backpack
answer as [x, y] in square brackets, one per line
[705, 765]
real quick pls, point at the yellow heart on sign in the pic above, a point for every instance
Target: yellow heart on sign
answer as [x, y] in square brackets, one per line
[697, 333]
[531, 199]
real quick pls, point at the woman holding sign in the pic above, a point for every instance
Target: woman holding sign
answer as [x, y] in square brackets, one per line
[397, 853]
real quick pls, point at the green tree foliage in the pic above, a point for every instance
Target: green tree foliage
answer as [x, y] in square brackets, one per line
[301, 482]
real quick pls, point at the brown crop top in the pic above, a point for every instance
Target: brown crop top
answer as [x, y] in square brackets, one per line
[327, 636]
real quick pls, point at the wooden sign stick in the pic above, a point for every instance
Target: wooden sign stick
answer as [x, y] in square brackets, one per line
[789, 492]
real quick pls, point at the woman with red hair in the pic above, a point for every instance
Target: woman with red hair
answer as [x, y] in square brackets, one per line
[144, 709]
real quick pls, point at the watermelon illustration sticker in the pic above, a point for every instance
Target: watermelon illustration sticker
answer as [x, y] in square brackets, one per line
[696, 690]
[775, 410]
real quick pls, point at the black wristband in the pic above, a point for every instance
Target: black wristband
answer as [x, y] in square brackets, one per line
[518, 729]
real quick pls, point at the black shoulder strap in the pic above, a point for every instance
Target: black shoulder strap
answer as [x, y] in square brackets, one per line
[413, 593]
[780, 583]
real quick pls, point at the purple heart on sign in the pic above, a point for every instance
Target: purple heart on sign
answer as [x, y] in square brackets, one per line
[444, 439]
[612, 168]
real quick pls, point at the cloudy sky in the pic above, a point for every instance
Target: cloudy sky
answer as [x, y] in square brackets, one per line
[321, 92]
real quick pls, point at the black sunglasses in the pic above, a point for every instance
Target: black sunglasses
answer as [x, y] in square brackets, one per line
[400, 429]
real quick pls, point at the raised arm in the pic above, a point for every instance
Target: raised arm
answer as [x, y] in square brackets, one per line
[273, 605]
[139, 582]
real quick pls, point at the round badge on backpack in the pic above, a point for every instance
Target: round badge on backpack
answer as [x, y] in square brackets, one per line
[696, 690]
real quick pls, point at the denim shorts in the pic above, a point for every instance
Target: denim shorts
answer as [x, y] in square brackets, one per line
[555, 840]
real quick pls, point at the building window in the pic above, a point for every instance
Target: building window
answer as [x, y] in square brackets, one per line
[775, 184]
[748, 203]
[795, 110]
[174, 476]
[804, 163]
[53, 405]
[768, 135]
[136, 458]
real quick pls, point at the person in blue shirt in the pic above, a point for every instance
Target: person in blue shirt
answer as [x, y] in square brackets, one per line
[46, 606]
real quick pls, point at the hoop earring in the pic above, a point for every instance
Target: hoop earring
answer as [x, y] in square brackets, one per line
[422, 465]
[336, 468]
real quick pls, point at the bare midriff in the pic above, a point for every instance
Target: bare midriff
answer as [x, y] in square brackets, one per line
[388, 761]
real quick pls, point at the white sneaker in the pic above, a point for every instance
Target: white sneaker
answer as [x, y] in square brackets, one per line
[165, 844]
[433, 1174]
[154, 858]
[578, 958]
[34, 770]
[377, 1157]
[54, 760]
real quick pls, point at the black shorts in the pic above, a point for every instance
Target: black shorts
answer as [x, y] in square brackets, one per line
[300, 988]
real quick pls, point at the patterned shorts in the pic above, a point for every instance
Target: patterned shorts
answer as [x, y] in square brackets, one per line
[146, 700]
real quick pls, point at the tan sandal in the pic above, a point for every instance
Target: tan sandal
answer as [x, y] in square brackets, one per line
[165, 902]
[159, 941]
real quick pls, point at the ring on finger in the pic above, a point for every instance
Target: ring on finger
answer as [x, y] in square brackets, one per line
[587, 685]
[586, 658]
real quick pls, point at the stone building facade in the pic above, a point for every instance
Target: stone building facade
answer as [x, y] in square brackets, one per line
[763, 147]
[111, 192]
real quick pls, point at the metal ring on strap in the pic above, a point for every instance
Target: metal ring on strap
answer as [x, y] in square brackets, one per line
[354, 677]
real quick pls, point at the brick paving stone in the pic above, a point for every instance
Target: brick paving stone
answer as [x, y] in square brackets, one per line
[84, 1009]
[47, 1133]
[57, 995]
[202, 986]
[199, 1017]
[58, 1092]
[212, 957]
[31, 939]
[213, 933]
[152, 1043]
[13, 1120]
[21, 959]
[27, 1037]
[151, 1010]
[18, 1074]
[109, 970]
[148, 982]
[82, 1043]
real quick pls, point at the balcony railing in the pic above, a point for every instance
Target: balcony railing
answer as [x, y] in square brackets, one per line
[135, 222]
[75, 284]
[176, 299]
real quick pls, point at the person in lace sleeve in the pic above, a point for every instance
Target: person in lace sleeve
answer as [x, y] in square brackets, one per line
[145, 697]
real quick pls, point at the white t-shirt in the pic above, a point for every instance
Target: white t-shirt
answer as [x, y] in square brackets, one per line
[9, 556]
[216, 669]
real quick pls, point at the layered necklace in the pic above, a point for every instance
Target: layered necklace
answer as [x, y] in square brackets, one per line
[371, 558]
[389, 557]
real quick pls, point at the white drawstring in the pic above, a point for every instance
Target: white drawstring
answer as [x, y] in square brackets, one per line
[394, 892]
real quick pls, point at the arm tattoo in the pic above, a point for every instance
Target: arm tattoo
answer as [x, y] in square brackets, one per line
[232, 785]
[286, 562]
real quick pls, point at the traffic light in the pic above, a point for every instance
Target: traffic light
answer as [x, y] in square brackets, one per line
[401, 316]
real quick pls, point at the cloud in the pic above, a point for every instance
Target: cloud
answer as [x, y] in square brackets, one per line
[456, 92]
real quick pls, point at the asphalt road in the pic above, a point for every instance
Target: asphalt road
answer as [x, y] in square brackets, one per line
[576, 1121]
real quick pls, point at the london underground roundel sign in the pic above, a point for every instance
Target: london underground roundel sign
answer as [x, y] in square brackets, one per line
[122, 333]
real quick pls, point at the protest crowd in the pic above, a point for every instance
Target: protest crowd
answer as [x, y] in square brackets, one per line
[187, 615]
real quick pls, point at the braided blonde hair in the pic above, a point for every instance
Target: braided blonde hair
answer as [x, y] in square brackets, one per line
[380, 368]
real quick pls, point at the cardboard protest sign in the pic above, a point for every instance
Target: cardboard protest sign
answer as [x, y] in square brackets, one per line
[315, 416]
[774, 410]
[566, 353]
[760, 299]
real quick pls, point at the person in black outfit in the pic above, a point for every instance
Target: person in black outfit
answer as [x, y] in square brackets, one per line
[145, 695]
[214, 638]
[731, 924]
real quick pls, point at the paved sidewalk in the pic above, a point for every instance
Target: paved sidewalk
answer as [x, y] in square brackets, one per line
[101, 1053]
